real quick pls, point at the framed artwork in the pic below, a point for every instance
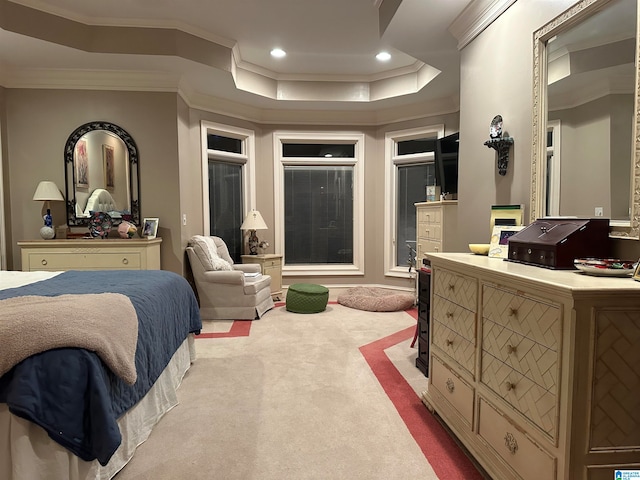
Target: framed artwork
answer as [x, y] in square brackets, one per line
[109, 167]
[636, 272]
[82, 164]
[499, 244]
[150, 228]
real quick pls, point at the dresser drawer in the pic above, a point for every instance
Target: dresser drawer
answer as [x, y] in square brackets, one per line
[456, 288]
[430, 215]
[526, 396]
[425, 246]
[85, 261]
[533, 360]
[457, 318]
[525, 457]
[532, 318]
[457, 347]
[429, 231]
[453, 388]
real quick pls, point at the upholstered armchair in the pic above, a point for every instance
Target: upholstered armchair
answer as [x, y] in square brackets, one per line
[224, 291]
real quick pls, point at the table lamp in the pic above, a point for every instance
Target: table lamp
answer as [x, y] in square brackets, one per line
[252, 222]
[47, 191]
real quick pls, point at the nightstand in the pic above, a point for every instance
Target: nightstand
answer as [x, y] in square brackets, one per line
[271, 264]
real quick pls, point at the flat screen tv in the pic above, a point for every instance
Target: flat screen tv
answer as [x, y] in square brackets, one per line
[446, 163]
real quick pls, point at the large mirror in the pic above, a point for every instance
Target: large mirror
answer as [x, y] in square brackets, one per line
[101, 174]
[586, 150]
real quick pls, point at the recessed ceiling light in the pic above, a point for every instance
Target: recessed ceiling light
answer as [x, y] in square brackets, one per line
[383, 56]
[278, 53]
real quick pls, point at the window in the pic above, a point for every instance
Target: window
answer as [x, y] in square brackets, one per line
[229, 182]
[319, 205]
[409, 163]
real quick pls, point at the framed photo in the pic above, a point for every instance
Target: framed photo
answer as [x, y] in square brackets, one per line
[109, 167]
[636, 272]
[499, 244]
[82, 164]
[149, 228]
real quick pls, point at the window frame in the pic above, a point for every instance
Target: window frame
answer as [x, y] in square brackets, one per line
[246, 159]
[392, 160]
[357, 162]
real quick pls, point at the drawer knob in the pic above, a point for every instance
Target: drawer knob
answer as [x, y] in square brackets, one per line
[449, 342]
[511, 443]
[511, 349]
[125, 260]
[449, 315]
[451, 287]
[513, 312]
[510, 386]
[44, 261]
[450, 385]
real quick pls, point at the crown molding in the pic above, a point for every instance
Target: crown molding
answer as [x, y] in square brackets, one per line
[477, 16]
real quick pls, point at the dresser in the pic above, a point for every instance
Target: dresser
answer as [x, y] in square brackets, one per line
[536, 371]
[436, 228]
[271, 264]
[91, 254]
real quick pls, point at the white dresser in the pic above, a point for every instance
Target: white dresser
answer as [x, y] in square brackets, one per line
[436, 227]
[91, 254]
[536, 371]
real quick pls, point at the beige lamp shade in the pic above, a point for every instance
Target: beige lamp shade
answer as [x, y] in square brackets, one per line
[47, 191]
[253, 221]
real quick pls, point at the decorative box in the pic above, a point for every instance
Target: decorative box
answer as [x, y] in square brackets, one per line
[556, 242]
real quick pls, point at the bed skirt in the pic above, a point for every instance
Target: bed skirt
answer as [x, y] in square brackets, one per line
[27, 452]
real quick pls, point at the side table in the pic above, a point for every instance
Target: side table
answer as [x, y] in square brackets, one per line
[270, 264]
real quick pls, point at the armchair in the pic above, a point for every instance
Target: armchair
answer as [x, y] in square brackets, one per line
[223, 291]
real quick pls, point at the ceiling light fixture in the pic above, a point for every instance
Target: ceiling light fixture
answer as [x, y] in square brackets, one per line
[383, 56]
[278, 53]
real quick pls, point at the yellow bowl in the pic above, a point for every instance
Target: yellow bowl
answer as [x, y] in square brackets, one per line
[479, 248]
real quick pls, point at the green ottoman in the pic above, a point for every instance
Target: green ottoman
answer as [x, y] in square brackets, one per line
[307, 298]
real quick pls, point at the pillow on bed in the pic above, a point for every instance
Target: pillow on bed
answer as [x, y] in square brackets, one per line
[207, 252]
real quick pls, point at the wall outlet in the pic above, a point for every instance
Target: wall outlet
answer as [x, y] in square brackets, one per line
[184, 219]
[599, 211]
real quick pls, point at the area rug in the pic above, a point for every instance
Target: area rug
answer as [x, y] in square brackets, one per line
[305, 397]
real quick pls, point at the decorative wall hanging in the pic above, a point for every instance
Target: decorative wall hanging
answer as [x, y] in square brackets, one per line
[499, 143]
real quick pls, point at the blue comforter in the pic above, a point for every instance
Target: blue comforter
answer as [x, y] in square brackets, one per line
[69, 391]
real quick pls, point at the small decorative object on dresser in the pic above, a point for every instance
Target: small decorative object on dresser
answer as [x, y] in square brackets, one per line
[150, 228]
[100, 224]
[126, 230]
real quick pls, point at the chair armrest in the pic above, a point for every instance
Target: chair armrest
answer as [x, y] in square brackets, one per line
[248, 267]
[224, 276]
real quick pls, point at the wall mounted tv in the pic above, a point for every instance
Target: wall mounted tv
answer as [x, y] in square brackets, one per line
[446, 163]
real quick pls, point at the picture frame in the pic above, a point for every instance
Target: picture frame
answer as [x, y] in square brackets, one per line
[499, 243]
[149, 228]
[82, 164]
[109, 167]
[636, 272]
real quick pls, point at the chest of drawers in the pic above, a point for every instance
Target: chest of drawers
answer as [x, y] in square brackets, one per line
[534, 369]
[271, 264]
[436, 225]
[90, 254]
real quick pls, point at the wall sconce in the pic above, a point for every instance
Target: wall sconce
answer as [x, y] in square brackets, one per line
[252, 222]
[47, 192]
[499, 143]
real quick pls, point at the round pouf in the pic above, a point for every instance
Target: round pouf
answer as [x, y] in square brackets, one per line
[374, 299]
[307, 298]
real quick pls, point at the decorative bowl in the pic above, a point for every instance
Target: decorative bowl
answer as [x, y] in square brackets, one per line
[479, 248]
[605, 267]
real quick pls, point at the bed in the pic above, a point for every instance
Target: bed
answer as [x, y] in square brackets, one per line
[79, 412]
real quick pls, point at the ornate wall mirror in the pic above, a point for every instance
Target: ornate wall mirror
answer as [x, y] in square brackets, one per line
[586, 147]
[101, 174]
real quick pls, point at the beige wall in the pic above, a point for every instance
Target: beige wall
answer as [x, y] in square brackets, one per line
[38, 125]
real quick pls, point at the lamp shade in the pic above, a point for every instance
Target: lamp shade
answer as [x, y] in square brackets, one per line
[253, 221]
[47, 191]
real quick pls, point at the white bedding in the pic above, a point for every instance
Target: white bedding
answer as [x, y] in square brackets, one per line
[27, 452]
[13, 279]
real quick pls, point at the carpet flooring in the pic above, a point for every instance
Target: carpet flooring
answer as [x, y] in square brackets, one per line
[332, 395]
